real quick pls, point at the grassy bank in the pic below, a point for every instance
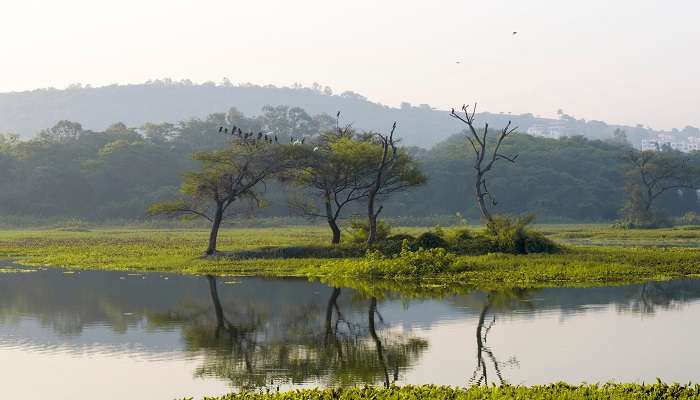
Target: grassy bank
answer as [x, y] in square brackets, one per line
[283, 252]
[429, 392]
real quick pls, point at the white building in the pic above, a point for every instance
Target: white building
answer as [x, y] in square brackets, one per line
[551, 130]
[684, 145]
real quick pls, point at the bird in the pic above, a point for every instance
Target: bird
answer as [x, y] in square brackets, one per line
[515, 32]
[302, 140]
[239, 131]
[233, 130]
[221, 128]
[291, 139]
[337, 115]
[259, 135]
[225, 130]
[275, 138]
[457, 62]
[316, 148]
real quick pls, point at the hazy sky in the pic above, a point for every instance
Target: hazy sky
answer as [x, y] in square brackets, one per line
[626, 61]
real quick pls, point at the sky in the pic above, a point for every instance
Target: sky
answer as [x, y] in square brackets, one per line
[622, 61]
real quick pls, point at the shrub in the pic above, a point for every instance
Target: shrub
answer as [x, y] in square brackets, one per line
[430, 240]
[472, 245]
[510, 235]
[359, 230]
[690, 218]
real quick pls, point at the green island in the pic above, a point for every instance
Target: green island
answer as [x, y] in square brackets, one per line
[583, 258]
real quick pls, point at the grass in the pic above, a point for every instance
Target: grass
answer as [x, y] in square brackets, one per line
[180, 251]
[554, 391]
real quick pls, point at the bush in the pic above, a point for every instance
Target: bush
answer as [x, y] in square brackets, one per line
[400, 237]
[510, 235]
[359, 230]
[430, 240]
[472, 245]
[407, 263]
[690, 218]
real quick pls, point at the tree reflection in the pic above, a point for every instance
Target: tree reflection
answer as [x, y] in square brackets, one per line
[251, 348]
[496, 300]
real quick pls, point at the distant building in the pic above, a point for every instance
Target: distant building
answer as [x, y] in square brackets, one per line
[550, 130]
[674, 142]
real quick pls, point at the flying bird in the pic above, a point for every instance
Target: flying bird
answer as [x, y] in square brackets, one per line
[515, 32]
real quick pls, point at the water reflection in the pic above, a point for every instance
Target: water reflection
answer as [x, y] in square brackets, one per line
[252, 347]
[253, 333]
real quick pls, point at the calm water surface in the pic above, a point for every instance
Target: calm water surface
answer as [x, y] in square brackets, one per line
[115, 335]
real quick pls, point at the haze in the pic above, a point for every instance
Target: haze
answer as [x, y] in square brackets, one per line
[632, 62]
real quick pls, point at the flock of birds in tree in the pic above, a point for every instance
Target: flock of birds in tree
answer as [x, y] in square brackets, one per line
[250, 137]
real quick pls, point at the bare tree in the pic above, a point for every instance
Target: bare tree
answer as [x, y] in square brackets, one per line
[651, 174]
[487, 153]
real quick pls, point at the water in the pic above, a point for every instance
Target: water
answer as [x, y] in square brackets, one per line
[114, 335]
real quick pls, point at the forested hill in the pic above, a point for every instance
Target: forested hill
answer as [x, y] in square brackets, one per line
[26, 113]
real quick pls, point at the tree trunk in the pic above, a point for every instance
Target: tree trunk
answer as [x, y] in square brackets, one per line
[480, 200]
[214, 234]
[377, 341]
[331, 218]
[329, 314]
[372, 219]
[218, 309]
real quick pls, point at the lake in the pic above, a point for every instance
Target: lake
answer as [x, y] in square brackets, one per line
[117, 335]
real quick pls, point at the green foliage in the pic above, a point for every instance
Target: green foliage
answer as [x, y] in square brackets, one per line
[510, 235]
[359, 230]
[608, 391]
[690, 218]
[262, 252]
[431, 240]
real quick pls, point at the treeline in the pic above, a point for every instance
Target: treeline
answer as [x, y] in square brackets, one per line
[68, 171]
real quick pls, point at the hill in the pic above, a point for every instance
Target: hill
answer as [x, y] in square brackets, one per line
[96, 108]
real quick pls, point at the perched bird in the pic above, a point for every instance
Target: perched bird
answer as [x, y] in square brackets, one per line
[275, 138]
[291, 139]
[302, 140]
[259, 135]
[239, 132]
[316, 148]
[225, 130]
[337, 115]
[221, 128]
[233, 130]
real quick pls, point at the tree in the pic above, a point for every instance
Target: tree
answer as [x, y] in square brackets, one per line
[651, 174]
[331, 173]
[389, 170]
[483, 145]
[227, 176]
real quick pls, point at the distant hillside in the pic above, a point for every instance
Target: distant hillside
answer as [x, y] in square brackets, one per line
[26, 113]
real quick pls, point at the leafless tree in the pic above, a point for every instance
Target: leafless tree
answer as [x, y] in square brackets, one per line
[651, 174]
[487, 153]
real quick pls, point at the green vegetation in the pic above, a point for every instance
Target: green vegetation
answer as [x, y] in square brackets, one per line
[609, 391]
[294, 251]
[72, 172]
